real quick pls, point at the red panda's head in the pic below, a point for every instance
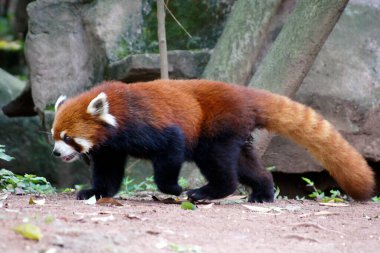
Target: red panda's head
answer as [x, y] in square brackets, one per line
[79, 124]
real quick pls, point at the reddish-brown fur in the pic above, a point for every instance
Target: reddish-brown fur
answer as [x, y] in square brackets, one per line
[207, 107]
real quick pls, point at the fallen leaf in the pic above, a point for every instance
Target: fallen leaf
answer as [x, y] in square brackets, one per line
[260, 209]
[186, 205]
[151, 232]
[325, 213]
[103, 219]
[108, 202]
[86, 214]
[208, 206]
[39, 202]
[90, 201]
[334, 204]
[167, 200]
[29, 231]
[135, 217]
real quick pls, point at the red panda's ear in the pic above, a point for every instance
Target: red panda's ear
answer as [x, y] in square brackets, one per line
[99, 107]
[59, 102]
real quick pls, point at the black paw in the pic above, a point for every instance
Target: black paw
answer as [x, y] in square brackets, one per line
[260, 197]
[86, 194]
[171, 189]
[197, 194]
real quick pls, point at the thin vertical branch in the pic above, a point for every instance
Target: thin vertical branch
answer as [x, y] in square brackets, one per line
[162, 39]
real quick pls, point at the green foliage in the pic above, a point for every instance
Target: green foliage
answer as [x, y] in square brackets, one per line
[376, 199]
[202, 19]
[319, 195]
[7, 42]
[4, 156]
[28, 183]
[128, 186]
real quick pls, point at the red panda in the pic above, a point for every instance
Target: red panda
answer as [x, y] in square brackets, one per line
[208, 122]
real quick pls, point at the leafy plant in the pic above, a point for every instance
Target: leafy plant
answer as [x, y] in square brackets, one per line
[4, 156]
[28, 183]
[319, 195]
[128, 186]
[376, 199]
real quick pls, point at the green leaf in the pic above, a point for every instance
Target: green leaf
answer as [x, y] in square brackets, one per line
[186, 205]
[29, 231]
[308, 181]
[5, 157]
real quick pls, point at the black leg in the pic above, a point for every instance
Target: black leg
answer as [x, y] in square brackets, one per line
[252, 173]
[217, 160]
[107, 173]
[166, 172]
[167, 163]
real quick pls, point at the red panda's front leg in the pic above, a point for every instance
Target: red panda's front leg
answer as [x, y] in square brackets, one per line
[107, 173]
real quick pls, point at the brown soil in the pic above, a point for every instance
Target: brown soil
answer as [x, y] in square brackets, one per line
[226, 226]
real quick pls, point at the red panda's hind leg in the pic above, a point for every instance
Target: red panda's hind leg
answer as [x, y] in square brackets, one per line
[217, 159]
[253, 174]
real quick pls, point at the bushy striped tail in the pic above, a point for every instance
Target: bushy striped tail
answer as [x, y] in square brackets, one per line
[306, 127]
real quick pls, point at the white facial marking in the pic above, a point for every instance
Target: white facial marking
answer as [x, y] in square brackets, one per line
[68, 154]
[99, 107]
[60, 100]
[62, 134]
[86, 144]
[52, 131]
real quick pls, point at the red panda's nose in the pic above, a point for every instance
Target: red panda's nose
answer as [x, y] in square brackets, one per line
[56, 153]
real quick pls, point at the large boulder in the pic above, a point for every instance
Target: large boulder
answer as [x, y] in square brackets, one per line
[26, 141]
[70, 42]
[344, 86]
[144, 67]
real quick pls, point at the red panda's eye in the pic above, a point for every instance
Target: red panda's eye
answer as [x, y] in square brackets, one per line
[66, 139]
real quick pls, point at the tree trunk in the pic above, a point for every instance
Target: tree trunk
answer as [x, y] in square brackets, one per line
[239, 45]
[295, 49]
[162, 39]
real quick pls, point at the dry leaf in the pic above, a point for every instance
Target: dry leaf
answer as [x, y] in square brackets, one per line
[260, 209]
[208, 206]
[167, 200]
[135, 217]
[325, 213]
[29, 231]
[103, 219]
[90, 201]
[39, 202]
[108, 202]
[334, 204]
[151, 232]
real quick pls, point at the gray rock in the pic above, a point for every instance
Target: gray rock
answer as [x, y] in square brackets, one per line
[70, 42]
[145, 67]
[27, 143]
[344, 86]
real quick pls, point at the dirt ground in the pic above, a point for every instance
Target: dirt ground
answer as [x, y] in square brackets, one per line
[69, 225]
